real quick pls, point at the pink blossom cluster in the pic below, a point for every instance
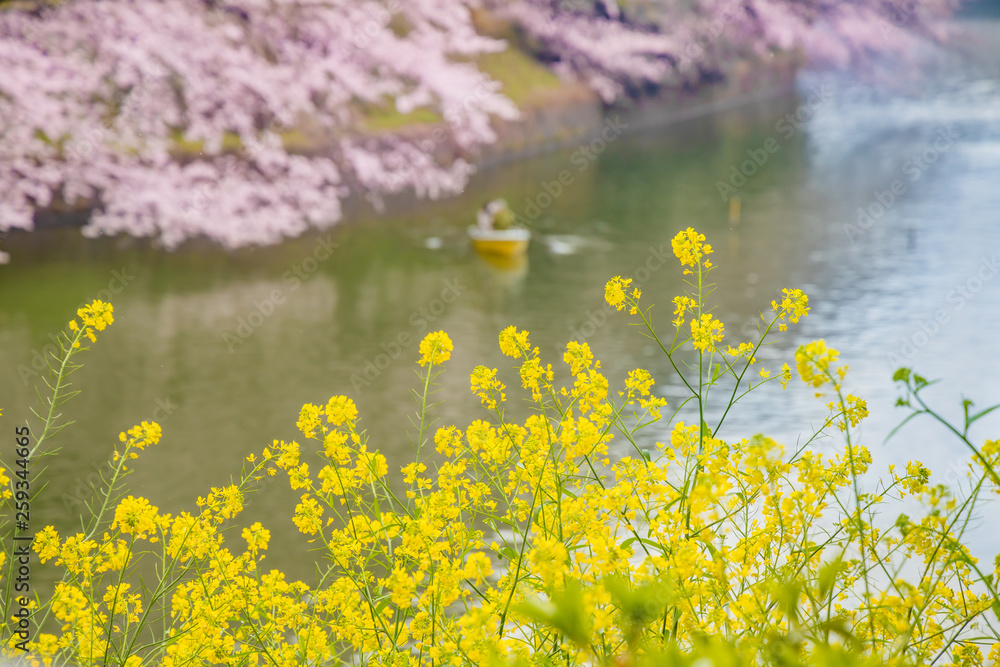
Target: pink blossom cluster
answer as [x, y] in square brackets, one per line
[96, 94]
[98, 97]
[630, 46]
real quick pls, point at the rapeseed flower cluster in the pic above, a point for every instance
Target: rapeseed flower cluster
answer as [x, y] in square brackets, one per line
[95, 316]
[813, 362]
[794, 304]
[706, 331]
[435, 348]
[617, 294]
[135, 516]
[566, 537]
[682, 304]
[690, 248]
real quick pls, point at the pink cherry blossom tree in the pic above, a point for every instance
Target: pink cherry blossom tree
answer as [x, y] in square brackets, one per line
[179, 118]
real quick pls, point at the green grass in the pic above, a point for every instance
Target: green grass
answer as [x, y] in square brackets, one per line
[231, 142]
[521, 75]
[387, 118]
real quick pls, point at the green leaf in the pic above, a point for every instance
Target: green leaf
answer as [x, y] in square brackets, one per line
[901, 375]
[786, 595]
[382, 602]
[639, 605]
[828, 574]
[564, 613]
[716, 372]
[981, 414]
[507, 552]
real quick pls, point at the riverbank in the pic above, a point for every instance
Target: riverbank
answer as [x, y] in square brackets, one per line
[566, 115]
[554, 115]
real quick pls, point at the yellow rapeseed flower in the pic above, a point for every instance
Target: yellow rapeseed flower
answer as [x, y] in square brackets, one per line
[257, 537]
[813, 362]
[46, 544]
[794, 304]
[514, 343]
[689, 246]
[705, 332]
[855, 410]
[341, 410]
[699, 529]
[616, 292]
[744, 350]
[435, 348]
[485, 385]
[682, 304]
[578, 356]
[142, 436]
[96, 315]
[639, 382]
[309, 419]
[308, 515]
[135, 516]
[786, 376]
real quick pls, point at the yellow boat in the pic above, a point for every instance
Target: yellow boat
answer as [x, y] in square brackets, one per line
[502, 242]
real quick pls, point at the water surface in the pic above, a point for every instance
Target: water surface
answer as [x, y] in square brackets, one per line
[225, 348]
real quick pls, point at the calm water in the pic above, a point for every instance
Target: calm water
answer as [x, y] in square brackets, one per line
[223, 389]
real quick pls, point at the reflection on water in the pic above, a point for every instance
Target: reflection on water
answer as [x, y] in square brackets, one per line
[228, 347]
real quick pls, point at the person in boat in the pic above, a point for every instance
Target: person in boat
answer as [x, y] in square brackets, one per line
[495, 215]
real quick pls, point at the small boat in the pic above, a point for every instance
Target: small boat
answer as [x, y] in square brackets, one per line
[502, 242]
